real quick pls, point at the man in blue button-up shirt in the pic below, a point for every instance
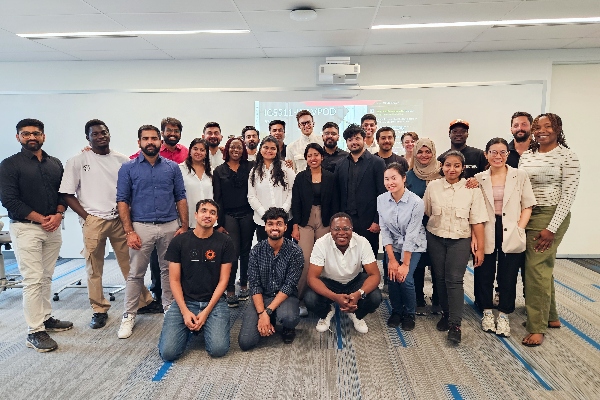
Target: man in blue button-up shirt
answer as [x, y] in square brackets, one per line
[150, 195]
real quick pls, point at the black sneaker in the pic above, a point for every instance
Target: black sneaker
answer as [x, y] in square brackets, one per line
[408, 322]
[232, 301]
[442, 324]
[153, 308]
[41, 341]
[454, 334]
[394, 320]
[288, 335]
[98, 320]
[421, 307]
[56, 325]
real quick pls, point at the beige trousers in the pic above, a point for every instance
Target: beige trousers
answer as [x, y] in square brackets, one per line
[309, 234]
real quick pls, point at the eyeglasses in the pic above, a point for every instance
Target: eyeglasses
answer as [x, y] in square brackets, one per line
[494, 153]
[345, 229]
[305, 123]
[26, 134]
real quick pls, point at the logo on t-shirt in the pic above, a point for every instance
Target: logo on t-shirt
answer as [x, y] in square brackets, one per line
[194, 255]
[210, 255]
[86, 167]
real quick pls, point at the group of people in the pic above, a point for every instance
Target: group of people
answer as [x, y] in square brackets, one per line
[319, 214]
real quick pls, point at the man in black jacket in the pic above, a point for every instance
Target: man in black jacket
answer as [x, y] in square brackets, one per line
[360, 180]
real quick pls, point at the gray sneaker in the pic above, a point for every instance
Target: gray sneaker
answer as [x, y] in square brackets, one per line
[41, 341]
[56, 325]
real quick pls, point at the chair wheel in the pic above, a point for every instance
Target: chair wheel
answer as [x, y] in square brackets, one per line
[56, 298]
[112, 298]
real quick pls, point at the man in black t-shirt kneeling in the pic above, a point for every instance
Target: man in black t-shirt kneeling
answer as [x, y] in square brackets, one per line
[199, 267]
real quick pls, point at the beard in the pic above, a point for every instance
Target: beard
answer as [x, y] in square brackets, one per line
[521, 139]
[171, 140]
[252, 146]
[330, 144]
[356, 151]
[275, 236]
[150, 150]
[32, 145]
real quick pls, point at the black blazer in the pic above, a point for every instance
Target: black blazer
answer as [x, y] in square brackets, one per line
[302, 197]
[370, 185]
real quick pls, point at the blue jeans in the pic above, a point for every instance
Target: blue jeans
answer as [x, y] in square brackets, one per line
[402, 294]
[175, 334]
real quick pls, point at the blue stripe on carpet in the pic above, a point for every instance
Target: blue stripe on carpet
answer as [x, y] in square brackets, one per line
[162, 371]
[580, 333]
[454, 392]
[398, 330]
[596, 286]
[68, 273]
[338, 328]
[574, 291]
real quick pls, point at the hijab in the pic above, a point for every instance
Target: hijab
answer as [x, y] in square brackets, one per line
[430, 171]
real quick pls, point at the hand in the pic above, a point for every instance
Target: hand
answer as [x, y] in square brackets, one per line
[264, 325]
[393, 269]
[374, 228]
[181, 230]
[201, 318]
[189, 319]
[134, 241]
[544, 240]
[472, 183]
[478, 258]
[353, 303]
[473, 243]
[343, 300]
[289, 164]
[296, 233]
[86, 148]
[402, 272]
[222, 230]
[52, 222]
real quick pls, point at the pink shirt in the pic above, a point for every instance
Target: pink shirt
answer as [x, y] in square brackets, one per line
[178, 155]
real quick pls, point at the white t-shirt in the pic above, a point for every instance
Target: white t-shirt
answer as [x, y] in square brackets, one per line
[342, 267]
[196, 189]
[93, 179]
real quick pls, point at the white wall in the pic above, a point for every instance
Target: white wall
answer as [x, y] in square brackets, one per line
[484, 88]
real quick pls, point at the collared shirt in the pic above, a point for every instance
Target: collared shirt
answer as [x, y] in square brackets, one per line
[151, 190]
[330, 160]
[373, 148]
[513, 155]
[27, 184]
[295, 150]
[215, 159]
[196, 189]
[353, 173]
[452, 208]
[270, 274]
[401, 222]
[338, 266]
[178, 155]
[252, 157]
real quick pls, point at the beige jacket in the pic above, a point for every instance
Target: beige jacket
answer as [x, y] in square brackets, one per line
[518, 195]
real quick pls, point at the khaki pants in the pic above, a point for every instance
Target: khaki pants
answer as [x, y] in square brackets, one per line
[95, 232]
[540, 301]
[36, 251]
[309, 234]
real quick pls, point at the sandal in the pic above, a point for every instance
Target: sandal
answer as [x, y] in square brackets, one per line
[526, 339]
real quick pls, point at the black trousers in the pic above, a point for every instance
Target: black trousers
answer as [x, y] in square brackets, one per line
[241, 230]
[419, 278]
[508, 271]
[373, 238]
[155, 286]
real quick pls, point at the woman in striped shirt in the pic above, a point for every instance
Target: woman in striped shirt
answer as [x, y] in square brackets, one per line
[554, 173]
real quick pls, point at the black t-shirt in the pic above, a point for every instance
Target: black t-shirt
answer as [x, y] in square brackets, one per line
[200, 261]
[475, 160]
[395, 158]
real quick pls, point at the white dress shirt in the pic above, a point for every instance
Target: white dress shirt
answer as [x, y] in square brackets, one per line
[196, 189]
[295, 151]
[264, 194]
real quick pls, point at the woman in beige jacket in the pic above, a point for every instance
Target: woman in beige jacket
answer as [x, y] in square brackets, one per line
[509, 200]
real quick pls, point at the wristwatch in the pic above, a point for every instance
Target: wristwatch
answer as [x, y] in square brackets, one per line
[268, 311]
[363, 295]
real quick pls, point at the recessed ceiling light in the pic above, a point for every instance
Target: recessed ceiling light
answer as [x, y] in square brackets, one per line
[550, 21]
[71, 35]
[303, 15]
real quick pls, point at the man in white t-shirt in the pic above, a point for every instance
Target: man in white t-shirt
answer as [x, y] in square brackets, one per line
[336, 275]
[89, 186]
[295, 150]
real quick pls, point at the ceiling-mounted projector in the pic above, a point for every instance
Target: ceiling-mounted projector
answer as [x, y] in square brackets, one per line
[338, 71]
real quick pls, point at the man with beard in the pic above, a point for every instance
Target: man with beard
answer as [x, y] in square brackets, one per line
[386, 137]
[475, 160]
[251, 139]
[277, 130]
[273, 272]
[360, 179]
[150, 195]
[520, 127]
[29, 182]
[333, 154]
[89, 187]
[369, 124]
[295, 151]
[212, 135]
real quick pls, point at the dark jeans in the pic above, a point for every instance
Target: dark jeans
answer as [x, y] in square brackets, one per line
[402, 294]
[155, 286]
[287, 314]
[419, 277]
[508, 271]
[261, 234]
[373, 238]
[449, 258]
[321, 305]
[241, 230]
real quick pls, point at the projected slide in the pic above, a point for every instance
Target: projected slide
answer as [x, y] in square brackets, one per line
[402, 116]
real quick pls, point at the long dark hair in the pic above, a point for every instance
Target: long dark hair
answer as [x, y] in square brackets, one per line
[228, 144]
[556, 123]
[188, 160]
[277, 174]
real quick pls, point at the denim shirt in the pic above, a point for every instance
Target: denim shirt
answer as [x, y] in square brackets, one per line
[401, 222]
[151, 191]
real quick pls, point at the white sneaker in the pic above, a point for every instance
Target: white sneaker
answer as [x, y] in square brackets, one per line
[503, 326]
[303, 311]
[487, 322]
[496, 300]
[127, 324]
[359, 324]
[323, 324]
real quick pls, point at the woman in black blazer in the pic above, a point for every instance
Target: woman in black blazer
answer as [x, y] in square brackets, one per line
[314, 201]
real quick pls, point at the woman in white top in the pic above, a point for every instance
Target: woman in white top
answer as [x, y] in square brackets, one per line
[197, 177]
[270, 185]
[508, 199]
[454, 213]
[554, 173]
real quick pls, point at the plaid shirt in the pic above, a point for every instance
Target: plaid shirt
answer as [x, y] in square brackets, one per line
[269, 273]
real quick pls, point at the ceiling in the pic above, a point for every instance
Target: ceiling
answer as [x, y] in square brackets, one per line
[342, 28]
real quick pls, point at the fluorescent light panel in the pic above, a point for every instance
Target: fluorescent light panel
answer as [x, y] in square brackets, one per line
[123, 33]
[550, 21]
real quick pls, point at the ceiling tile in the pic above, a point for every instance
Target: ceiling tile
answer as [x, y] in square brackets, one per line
[180, 22]
[313, 51]
[327, 19]
[265, 5]
[45, 7]
[385, 3]
[414, 48]
[203, 41]
[119, 55]
[160, 6]
[500, 45]
[58, 23]
[98, 44]
[584, 43]
[555, 9]
[35, 56]
[12, 43]
[537, 32]
[312, 38]
[215, 53]
[438, 35]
